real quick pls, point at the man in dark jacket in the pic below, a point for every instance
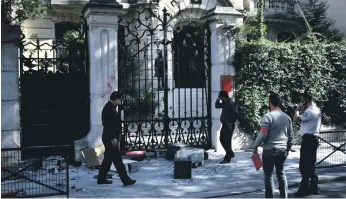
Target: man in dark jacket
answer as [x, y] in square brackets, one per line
[111, 122]
[228, 118]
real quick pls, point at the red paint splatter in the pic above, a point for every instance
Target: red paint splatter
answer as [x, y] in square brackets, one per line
[226, 83]
[110, 88]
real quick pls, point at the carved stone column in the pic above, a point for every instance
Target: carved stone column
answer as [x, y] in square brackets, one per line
[102, 17]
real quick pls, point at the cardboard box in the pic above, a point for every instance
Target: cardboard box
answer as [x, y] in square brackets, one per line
[93, 156]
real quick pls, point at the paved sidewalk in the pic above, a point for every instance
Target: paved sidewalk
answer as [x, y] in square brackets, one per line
[155, 179]
[328, 190]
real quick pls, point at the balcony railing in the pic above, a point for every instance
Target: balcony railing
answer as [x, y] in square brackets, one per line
[280, 6]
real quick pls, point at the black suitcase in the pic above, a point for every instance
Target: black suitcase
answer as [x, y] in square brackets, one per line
[173, 149]
[182, 169]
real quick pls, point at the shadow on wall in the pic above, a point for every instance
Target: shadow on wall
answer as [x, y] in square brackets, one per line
[241, 140]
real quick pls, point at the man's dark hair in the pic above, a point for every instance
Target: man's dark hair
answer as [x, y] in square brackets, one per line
[223, 94]
[275, 99]
[115, 95]
[307, 96]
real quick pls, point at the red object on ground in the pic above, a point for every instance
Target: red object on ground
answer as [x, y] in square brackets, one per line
[137, 154]
[226, 83]
[257, 161]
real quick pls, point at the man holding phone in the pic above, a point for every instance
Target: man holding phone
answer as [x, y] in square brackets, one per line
[228, 118]
[309, 129]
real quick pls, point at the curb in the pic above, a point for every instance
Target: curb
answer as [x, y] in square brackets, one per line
[322, 181]
[225, 192]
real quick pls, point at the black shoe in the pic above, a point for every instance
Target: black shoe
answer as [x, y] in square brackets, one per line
[301, 193]
[104, 181]
[314, 191]
[224, 162]
[129, 182]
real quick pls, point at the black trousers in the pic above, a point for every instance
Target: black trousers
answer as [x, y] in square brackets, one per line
[307, 162]
[112, 155]
[226, 139]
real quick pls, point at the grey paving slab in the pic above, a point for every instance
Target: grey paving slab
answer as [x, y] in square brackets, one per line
[155, 179]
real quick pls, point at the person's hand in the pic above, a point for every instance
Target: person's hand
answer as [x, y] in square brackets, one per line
[254, 151]
[295, 108]
[114, 142]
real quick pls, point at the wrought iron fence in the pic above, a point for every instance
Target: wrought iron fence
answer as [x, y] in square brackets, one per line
[44, 172]
[332, 149]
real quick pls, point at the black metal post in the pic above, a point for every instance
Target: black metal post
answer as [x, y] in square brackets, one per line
[209, 92]
[67, 177]
[165, 118]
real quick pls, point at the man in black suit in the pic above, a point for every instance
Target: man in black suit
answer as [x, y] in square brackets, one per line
[111, 122]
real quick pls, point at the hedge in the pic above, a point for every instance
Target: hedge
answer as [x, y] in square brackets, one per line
[263, 66]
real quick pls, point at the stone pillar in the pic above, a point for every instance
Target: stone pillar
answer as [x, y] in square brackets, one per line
[10, 114]
[102, 17]
[222, 41]
[216, 69]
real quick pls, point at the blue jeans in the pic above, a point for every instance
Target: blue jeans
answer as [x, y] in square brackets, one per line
[277, 158]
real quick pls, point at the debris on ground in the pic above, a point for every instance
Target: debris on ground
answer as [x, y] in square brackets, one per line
[93, 156]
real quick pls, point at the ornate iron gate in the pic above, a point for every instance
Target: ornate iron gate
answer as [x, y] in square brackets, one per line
[164, 73]
[54, 87]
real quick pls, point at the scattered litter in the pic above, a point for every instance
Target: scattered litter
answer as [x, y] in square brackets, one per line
[93, 156]
[81, 189]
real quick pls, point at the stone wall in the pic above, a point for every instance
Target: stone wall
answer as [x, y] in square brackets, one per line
[10, 114]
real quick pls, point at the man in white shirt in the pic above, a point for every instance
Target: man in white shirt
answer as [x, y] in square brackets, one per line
[310, 127]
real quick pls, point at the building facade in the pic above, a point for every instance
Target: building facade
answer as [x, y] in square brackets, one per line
[170, 58]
